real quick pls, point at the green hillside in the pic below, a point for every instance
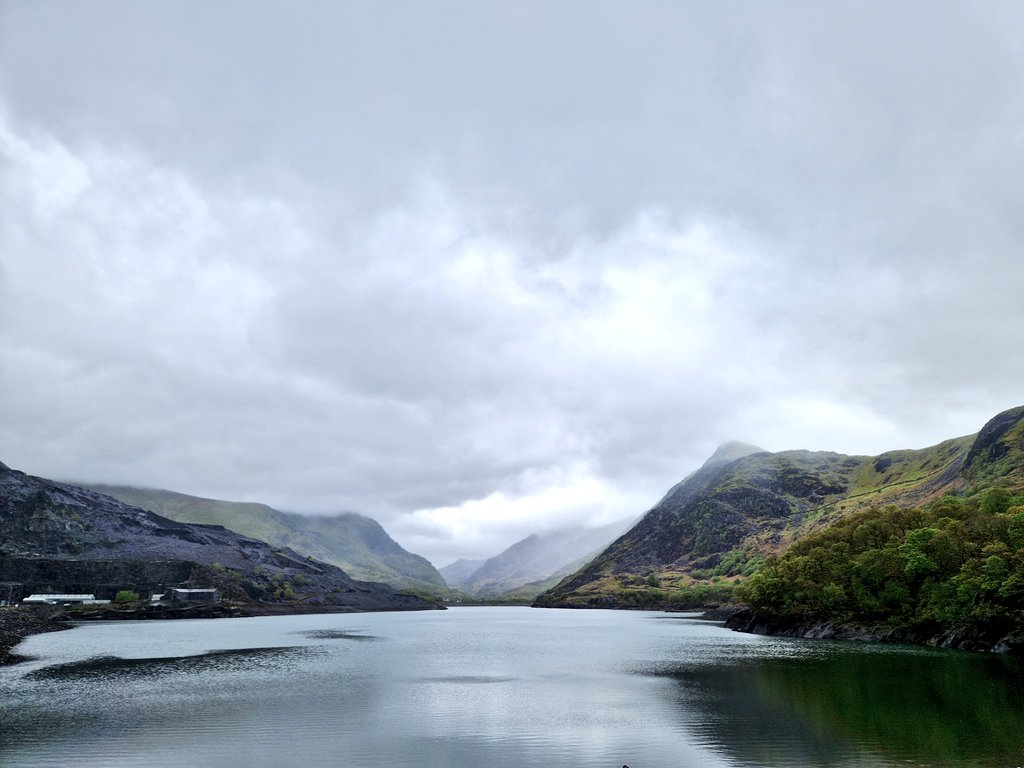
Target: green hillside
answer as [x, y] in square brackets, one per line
[949, 572]
[954, 564]
[719, 525]
[356, 544]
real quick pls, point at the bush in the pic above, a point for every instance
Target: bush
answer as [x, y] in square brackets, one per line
[126, 596]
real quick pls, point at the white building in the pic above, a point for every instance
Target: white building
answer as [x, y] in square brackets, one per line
[45, 599]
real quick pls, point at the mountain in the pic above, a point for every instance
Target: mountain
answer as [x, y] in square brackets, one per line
[537, 562]
[723, 520]
[356, 544]
[455, 574]
[59, 537]
[949, 572]
[730, 451]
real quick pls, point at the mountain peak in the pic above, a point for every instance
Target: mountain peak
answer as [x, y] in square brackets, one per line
[730, 451]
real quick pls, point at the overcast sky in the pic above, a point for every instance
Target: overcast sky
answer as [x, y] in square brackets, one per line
[481, 269]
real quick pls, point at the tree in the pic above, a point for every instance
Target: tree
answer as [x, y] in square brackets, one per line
[916, 549]
[995, 501]
[1015, 530]
[126, 596]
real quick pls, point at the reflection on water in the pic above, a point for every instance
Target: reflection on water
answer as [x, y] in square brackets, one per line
[497, 687]
[108, 668]
[906, 705]
[336, 634]
[467, 679]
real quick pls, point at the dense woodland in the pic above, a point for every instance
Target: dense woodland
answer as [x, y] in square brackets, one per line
[953, 562]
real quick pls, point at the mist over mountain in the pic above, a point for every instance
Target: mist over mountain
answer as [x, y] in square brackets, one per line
[534, 563]
[355, 543]
[63, 538]
[455, 574]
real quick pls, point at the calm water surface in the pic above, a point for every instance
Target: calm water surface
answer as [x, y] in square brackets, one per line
[496, 687]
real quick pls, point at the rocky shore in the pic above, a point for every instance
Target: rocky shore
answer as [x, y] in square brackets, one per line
[721, 612]
[18, 623]
[996, 638]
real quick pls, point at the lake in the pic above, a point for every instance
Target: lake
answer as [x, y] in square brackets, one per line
[496, 687]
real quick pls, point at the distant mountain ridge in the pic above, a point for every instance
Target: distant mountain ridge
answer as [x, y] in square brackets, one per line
[60, 537]
[531, 565]
[355, 543]
[455, 574]
[723, 519]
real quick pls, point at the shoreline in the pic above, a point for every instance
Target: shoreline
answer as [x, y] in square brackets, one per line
[990, 639]
[18, 623]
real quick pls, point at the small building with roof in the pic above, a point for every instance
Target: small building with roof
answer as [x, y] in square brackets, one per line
[192, 595]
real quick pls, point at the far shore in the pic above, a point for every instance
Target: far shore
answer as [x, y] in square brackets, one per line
[20, 622]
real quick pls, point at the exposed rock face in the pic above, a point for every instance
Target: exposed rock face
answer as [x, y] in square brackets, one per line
[1000, 443]
[56, 536]
[103, 578]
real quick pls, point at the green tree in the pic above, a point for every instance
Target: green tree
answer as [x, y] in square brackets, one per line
[916, 550]
[995, 501]
[126, 596]
[1015, 530]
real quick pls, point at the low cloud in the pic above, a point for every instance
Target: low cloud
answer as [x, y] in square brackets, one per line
[479, 301]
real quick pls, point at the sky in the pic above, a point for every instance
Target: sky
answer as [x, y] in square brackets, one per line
[484, 269]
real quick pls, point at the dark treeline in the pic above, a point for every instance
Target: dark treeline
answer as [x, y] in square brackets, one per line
[953, 563]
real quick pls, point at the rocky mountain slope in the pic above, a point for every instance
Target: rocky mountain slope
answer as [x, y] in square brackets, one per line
[721, 521]
[535, 563]
[58, 537]
[355, 543]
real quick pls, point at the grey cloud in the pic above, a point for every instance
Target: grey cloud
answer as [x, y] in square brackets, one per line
[399, 259]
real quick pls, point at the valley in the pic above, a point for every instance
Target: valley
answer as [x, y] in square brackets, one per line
[780, 533]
